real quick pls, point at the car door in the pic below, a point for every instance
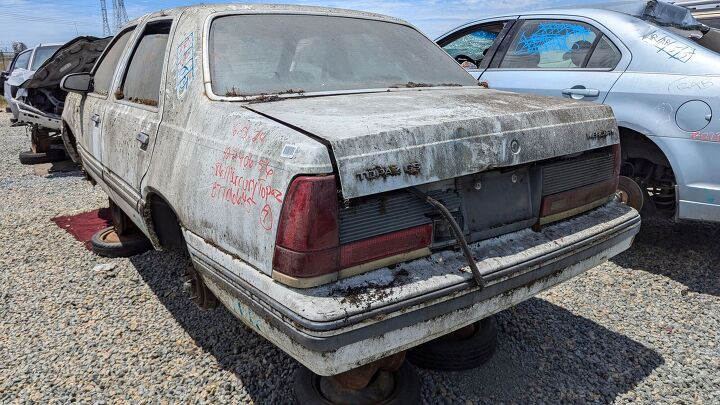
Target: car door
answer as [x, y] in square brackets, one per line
[473, 46]
[563, 57]
[131, 121]
[92, 110]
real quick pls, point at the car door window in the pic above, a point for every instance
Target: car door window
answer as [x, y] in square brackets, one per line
[22, 60]
[605, 56]
[470, 48]
[141, 83]
[550, 44]
[102, 79]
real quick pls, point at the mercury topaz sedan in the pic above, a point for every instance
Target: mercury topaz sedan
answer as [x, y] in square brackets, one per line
[342, 186]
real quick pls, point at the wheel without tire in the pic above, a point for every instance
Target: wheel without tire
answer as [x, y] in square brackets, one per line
[107, 243]
[122, 223]
[630, 193]
[406, 388]
[32, 158]
[449, 354]
[197, 290]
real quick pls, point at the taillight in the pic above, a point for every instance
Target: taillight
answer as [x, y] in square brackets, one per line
[308, 234]
[368, 250]
[563, 205]
[308, 250]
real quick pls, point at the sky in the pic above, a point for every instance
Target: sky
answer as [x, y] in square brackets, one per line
[42, 21]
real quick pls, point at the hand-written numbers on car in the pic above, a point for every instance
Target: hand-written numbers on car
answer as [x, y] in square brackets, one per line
[243, 179]
[377, 172]
[670, 46]
[246, 132]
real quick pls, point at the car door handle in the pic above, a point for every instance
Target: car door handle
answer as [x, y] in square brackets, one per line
[581, 92]
[95, 118]
[143, 138]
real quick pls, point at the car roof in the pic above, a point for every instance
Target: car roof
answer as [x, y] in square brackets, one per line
[275, 9]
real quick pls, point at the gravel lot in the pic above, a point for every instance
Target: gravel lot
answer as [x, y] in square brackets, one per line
[641, 328]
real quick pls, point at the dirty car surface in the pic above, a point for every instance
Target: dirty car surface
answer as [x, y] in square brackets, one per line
[298, 162]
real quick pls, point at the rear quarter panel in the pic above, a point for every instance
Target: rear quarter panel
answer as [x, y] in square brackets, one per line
[218, 164]
[666, 72]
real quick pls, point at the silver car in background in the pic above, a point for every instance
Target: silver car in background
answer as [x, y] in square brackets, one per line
[22, 69]
[651, 61]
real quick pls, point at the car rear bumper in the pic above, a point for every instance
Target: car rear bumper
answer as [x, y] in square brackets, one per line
[335, 328]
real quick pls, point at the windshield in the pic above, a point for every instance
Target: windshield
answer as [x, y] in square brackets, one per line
[42, 54]
[270, 54]
[21, 62]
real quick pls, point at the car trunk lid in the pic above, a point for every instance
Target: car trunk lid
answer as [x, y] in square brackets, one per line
[401, 138]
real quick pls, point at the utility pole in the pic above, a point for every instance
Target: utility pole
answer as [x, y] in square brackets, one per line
[106, 24]
[119, 14]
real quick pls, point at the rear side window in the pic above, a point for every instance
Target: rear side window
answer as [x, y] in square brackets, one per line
[141, 84]
[105, 70]
[550, 44]
[605, 56]
[22, 60]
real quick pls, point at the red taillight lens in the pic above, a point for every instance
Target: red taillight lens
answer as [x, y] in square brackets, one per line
[308, 238]
[308, 232]
[382, 246]
[569, 200]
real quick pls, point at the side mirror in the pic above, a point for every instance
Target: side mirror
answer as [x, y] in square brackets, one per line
[76, 82]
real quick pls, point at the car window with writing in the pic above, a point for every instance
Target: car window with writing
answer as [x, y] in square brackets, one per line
[550, 44]
[472, 47]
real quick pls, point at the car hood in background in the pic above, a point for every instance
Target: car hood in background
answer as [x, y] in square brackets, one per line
[391, 140]
[19, 76]
[78, 55]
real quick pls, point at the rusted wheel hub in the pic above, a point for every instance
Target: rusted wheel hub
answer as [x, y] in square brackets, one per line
[389, 381]
[630, 193]
[197, 291]
[123, 225]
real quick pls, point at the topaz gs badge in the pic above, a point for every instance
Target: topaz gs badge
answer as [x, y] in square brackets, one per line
[383, 172]
[601, 134]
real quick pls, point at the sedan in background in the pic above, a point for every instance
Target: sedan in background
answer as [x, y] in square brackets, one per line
[653, 62]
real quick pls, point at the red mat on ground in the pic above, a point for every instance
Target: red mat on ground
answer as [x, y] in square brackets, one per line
[83, 226]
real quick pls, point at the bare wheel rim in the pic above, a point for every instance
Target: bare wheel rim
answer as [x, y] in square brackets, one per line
[630, 193]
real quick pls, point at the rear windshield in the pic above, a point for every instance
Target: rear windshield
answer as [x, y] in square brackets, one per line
[42, 54]
[270, 54]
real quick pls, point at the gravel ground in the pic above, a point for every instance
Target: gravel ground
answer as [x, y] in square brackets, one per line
[643, 327]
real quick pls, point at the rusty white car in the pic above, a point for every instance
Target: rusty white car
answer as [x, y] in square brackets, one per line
[342, 186]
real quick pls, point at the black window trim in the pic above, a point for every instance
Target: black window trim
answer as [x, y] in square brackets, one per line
[126, 65]
[522, 21]
[487, 60]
